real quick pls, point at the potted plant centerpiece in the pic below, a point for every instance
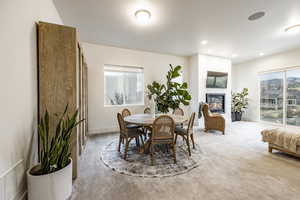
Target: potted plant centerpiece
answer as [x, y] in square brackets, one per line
[171, 94]
[51, 179]
[239, 104]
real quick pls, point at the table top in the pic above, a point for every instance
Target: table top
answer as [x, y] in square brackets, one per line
[148, 119]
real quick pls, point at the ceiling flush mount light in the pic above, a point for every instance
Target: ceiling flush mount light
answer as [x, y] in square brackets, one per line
[294, 28]
[261, 54]
[143, 16]
[204, 42]
[256, 16]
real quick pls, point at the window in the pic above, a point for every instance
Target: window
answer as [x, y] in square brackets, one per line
[271, 97]
[280, 97]
[123, 85]
[293, 97]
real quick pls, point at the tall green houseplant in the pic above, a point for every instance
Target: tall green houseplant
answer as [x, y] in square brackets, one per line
[171, 94]
[55, 150]
[239, 104]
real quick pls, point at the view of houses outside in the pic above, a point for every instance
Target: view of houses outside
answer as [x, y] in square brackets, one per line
[293, 97]
[272, 93]
[271, 97]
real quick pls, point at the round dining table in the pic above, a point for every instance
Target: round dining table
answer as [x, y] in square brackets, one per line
[148, 119]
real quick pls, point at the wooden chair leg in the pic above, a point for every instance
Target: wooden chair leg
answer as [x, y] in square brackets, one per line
[174, 153]
[151, 154]
[167, 147]
[270, 149]
[126, 148]
[192, 137]
[176, 138]
[188, 144]
[120, 141]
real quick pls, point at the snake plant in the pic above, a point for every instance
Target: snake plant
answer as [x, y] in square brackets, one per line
[55, 144]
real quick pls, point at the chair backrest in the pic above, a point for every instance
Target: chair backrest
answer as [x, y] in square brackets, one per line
[147, 111]
[122, 125]
[126, 112]
[205, 111]
[178, 111]
[191, 123]
[163, 128]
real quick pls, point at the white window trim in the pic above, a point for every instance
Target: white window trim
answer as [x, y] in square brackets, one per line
[119, 68]
[284, 70]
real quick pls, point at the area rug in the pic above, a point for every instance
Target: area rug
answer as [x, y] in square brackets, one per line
[139, 164]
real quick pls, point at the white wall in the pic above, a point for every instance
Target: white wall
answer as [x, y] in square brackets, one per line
[215, 64]
[18, 85]
[103, 119]
[245, 75]
[194, 84]
[199, 66]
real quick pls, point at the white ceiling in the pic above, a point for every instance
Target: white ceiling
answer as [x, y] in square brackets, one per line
[178, 26]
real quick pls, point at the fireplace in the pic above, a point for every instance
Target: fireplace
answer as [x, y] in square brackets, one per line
[216, 102]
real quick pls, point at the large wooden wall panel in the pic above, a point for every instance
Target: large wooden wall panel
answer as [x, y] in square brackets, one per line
[57, 56]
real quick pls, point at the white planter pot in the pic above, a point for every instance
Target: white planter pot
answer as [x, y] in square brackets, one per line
[54, 186]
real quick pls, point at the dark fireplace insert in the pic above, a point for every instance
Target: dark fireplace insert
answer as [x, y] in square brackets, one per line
[216, 102]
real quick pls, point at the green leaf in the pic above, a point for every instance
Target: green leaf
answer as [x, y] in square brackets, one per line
[55, 150]
[184, 85]
[171, 94]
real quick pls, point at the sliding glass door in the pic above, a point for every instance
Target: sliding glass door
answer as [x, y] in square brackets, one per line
[280, 97]
[293, 97]
[271, 97]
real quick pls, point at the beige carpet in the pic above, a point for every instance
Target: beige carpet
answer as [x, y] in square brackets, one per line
[237, 167]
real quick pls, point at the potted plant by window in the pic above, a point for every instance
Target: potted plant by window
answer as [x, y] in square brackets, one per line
[171, 94]
[239, 104]
[51, 179]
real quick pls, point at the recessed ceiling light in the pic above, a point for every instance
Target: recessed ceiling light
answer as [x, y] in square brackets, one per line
[143, 16]
[234, 55]
[294, 28]
[261, 54]
[256, 16]
[204, 42]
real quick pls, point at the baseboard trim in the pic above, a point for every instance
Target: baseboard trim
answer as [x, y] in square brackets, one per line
[9, 179]
[11, 169]
[103, 131]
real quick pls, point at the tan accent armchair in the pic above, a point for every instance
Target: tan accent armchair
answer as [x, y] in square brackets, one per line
[213, 121]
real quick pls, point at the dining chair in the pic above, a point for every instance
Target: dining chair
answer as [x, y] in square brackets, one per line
[126, 112]
[147, 110]
[187, 133]
[179, 111]
[146, 129]
[163, 133]
[127, 134]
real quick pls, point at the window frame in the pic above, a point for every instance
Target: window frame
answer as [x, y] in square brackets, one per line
[128, 67]
[284, 71]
